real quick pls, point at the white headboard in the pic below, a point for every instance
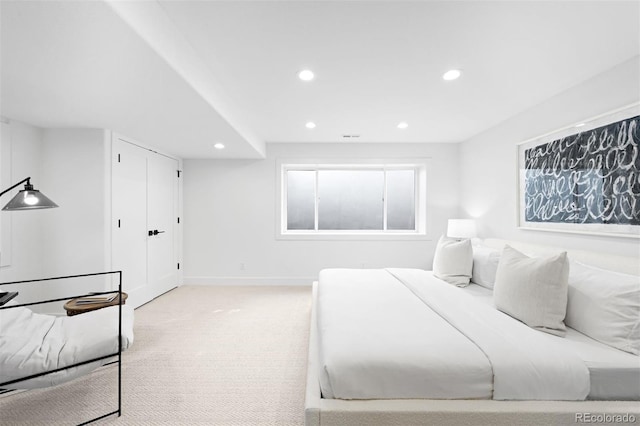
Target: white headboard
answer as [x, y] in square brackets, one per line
[625, 264]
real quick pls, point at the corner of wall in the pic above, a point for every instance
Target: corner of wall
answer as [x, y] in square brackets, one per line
[489, 168]
[23, 144]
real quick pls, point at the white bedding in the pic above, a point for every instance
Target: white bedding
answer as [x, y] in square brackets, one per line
[32, 343]
[613, 374]
[526, 365]
[380, 338]
[390, 345]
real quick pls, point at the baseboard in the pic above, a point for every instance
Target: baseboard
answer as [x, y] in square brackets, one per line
[244, 281]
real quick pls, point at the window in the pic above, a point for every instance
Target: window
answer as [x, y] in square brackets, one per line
[348, 199]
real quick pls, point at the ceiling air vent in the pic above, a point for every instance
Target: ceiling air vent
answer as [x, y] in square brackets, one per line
[350, 136]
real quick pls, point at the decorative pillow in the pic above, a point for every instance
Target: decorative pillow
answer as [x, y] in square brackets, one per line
[485, 265]
[605, 305]
[533, 289]
[453, 261]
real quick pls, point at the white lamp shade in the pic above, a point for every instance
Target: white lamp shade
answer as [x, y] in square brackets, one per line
[461, 228]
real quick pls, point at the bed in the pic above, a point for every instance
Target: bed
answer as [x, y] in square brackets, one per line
[399, 346]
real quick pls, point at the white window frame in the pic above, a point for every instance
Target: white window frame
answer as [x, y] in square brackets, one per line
[419, 165]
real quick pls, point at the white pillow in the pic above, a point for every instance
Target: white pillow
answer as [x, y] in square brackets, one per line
[485, 265]
[453, 261]
[605, 305]
[533, 289]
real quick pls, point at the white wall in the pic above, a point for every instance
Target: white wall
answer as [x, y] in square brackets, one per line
[76, 169]
[230, 217]
[76, 236]
[72, 168]
[488, 161]
[24, 149]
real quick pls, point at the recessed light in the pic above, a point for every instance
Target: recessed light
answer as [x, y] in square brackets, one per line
[310, 125]
[306, 75]
[403, 125]
[579, 124]
[219, 146]
[451, 75]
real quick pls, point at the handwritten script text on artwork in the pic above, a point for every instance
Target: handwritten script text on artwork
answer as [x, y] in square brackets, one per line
[589, 177]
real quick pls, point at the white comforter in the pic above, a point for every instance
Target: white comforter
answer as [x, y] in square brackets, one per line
[401, 333]
[32, 343]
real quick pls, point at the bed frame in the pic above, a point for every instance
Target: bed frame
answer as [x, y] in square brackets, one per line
[321, 411]
[118, 354]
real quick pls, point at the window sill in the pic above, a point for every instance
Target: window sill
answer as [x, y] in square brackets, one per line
[302, 236]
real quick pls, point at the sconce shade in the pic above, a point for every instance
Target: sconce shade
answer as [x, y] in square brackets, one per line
[461, 228]
[28, 199]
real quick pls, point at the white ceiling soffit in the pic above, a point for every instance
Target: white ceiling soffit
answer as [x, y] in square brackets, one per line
[379, 63]
[150, 21]
[78, 64]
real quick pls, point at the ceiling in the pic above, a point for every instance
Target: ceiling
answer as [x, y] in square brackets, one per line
[183, 75]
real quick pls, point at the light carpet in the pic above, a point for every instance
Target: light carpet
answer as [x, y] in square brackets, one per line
[209, 355]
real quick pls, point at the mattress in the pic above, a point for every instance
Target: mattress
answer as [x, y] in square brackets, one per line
[379, 349]
[613, 374]
[383, 334]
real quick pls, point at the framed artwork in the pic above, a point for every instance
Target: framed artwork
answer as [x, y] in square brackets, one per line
[584, 178]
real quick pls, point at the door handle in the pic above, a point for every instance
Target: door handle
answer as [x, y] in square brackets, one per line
[155, 232]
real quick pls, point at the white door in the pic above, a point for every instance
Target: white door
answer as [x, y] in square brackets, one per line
[144, 200]
[162, 221]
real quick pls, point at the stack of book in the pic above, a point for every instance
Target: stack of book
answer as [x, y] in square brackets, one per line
[5, 296]
[99, 298]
